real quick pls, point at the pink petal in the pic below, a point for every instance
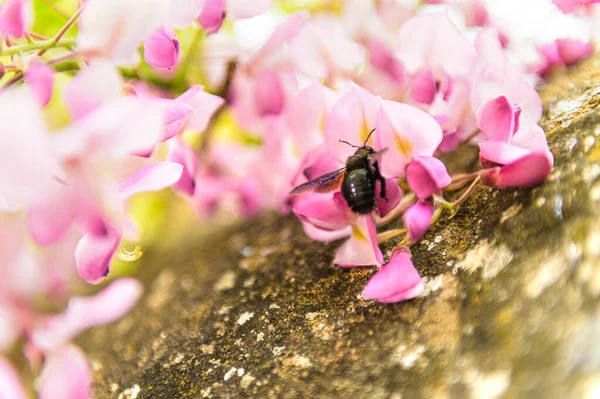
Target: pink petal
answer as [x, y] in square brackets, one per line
[424, 89]
[153, 177]
[50, 216]
[393, 194]
[12, 388]
[568, 6]
[351, 119]
[16, 17]
[405, 131]
[268, 92]
[572, 51]
[325, 211]
[180, 152]
[204, 103]
[305, 114]
[114, 29]
[176, 115]
[396, 281]
[40, 77]
[417, 219]
[83, 313]
[498, 119]
[361, 248]
[500, 153]
[530, 170]
[427, 176]
[130, 125]
[66, 375]
[161, 48]
[384, 60]
[182, 13]
[10, 325]
[29, 167]
[93, 86]
[424, 42]
[238, 9]
[212, 15]
[284, 32]
[94, 254]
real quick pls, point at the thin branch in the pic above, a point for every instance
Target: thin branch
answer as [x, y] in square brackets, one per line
[62, 31]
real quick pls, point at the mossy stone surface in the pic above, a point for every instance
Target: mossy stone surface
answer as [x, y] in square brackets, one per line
[511, 307]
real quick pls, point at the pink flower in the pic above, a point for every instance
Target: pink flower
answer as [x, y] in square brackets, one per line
[181, 153]
[528, 170]
[405, 131]
[268, 92]
[40, 77]
[569, 6]
[562, 53]
[92, 87]
[212, 15]
[161, 48]
[12, 388]
[204, 104]
[498, 119]
[396, 281]
[427, 176]
[16, 17]
[114, 29]
[417, 219]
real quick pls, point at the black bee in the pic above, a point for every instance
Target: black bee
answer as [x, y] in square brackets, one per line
[357, 179]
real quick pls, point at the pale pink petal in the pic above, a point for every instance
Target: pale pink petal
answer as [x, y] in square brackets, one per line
[212, 15]
[305, 115]
[432, 41]
[427, 176]
[114, 29]
[396, 281]
[351, 119]
[317, 234]
[182, 13]
[405, 131]
[572, 51]
[530, 170]
[130, 125]
[66, 375]
[180, 152]
[29, 166]
[392, 192]
[204, 103]
[176, 115]
[153, 177]
[10, 328]
[49, 217]
[284, 32]
[424, 89]
[98, 84]
[10, 382]
[161, 48]
[83, 313]
[532, 139]
[40, 77]
[268, 92]
[16, 17]
[238, 9]
[417, 219]
[325, 211]
[568, 6]
[498, 119]
[94, 253]
[384, 60]
[361, 248]
[500, 153]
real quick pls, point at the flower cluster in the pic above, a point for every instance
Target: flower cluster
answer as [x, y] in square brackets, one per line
[130, 97]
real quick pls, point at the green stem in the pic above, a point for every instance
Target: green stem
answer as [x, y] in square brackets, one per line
[41, 45]
[62, 31]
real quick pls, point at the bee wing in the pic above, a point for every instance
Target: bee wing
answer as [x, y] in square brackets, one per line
[375, 156]
[323, 184]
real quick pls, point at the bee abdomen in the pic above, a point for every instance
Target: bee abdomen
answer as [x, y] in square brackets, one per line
[358, 189]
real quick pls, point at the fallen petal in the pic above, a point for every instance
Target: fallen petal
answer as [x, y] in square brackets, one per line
[572, 51]
[394, 282]
[498, 119]
[361, 248]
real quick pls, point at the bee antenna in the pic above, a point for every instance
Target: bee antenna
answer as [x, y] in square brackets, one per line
[368, 137]
[351, 145]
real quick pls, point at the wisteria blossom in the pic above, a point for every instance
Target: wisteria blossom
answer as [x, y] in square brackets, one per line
[127, 98]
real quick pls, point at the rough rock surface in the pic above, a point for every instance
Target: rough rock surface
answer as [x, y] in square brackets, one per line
[511, 306]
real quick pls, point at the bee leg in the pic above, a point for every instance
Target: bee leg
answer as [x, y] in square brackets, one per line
[381, 181]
